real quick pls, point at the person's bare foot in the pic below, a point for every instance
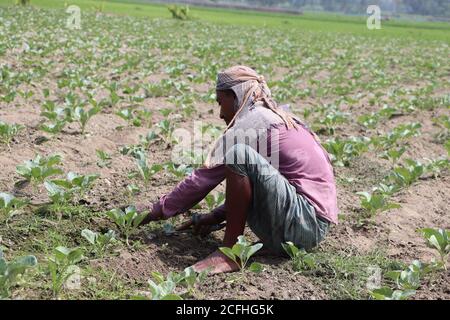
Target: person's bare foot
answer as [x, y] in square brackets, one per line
[217, 262]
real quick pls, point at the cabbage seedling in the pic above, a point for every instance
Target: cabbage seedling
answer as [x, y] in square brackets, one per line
[393, 154]
[8, 131]
[10, 272]
[127, 221]
[62, 265]
[375, 202]
[241, 252]
[214, 200]
[386, 293]
[83, 116]
[178, 171]
[438, 239]
[100, 242]
[104, 158]
[300, 258]
[145, 171]
[10, 205]
[40, 168]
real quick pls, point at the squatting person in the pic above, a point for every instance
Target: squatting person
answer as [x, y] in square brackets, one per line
[292, 201]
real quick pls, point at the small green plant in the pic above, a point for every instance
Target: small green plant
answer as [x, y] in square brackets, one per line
[438, 239]
[104, 159]
[166, 129]
[300, 258]
[436, 166]
[369, 120]
[409, 279]
[330, 122]
[128, 115]
[386, 293]
[214, 200]
[178, 171]
[404, 176]
[11, 271]
[10, 205]
[393, 154]
[58, 117]
[145, 171]
[342, 151]
[60, 193]
[407, 282]
[40, 168]
[127, 221]
[8, 131]
[179, 12]
[374, 203]
[444, 123]
[146, 140]
[165, 288]
[83, 116]
[61, 265]
[100, 242]
[241, 252]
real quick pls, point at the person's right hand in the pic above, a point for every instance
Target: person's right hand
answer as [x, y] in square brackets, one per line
[202, 226]
[154, 213]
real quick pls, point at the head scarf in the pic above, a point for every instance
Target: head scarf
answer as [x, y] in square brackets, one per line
[249, 88]
[255, 108]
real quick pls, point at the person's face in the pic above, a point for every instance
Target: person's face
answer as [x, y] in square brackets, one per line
[226, 101]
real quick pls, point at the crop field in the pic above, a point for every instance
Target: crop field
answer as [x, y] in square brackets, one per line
[89, 120]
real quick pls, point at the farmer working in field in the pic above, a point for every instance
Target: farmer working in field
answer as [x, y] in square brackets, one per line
[294, 200]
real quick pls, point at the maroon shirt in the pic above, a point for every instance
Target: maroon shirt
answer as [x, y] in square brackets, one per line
[302, 161]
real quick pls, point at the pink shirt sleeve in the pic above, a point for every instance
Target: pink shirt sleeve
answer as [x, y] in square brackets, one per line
[191, 190]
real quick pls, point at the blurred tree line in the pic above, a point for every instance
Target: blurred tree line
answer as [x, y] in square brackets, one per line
[437, 8]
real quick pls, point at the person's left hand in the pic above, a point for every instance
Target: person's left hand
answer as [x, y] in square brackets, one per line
[202, 225]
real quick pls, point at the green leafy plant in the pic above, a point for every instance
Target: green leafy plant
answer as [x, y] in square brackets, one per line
[300, 258]
[393, 154]
[144, 169]
[165, 130]
[438, 239]
[374, 203]
[214, 200]
[406, 175]
[11, 271]
[409, 279]
[436, 166]
[100, 242]
[128, 115]
[386, 293]
[40, 168]
[104, 159]
[179, 171]
[342, 151]
[10, 205]
[241, 252]
[179, 12]
[59, 194]
[166, 288]
[8, 131]
[127, 221]
[83, 116]
[61, 265]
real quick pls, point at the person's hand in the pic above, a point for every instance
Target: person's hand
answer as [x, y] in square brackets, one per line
[153, 212]
[202, 224]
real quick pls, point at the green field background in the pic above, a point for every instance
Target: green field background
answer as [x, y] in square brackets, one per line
[292, 23]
